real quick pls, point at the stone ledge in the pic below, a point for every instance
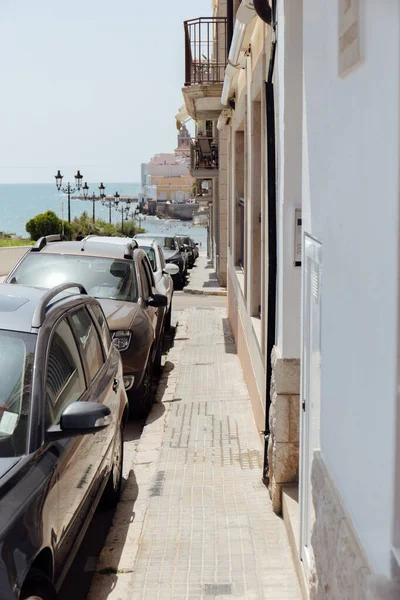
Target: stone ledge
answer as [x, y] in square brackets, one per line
[291, 519]
[201, 292]
[286, 373]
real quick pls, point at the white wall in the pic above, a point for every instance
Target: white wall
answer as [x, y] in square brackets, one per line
[288, 96]
[350, 203]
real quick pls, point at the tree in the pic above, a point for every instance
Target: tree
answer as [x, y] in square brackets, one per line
[46, 224]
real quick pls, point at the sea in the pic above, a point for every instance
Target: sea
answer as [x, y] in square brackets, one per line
[21, 202]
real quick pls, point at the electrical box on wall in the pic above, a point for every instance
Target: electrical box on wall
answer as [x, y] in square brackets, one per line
[297, 237]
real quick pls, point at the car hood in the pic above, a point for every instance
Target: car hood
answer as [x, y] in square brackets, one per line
[6, 464]
[171, 254]
[119, 314]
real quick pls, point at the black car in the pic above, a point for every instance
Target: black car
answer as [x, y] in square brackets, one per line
[62, 411]
[190, 248]
[174, 252]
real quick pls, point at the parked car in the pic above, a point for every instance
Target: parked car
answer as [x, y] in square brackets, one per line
[174, 253]
[62, 412]
[122, 280]
[190, 248]
[162, 273]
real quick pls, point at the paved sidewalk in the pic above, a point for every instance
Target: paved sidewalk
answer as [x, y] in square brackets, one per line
[208, 530]
[203, 279]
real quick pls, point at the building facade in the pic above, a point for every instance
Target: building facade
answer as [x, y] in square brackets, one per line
[308, 191]
[167, 175]
[206, 40]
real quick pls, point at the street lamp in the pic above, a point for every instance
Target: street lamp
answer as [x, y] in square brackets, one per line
[138, 214]
[69, 189]
[93, 197]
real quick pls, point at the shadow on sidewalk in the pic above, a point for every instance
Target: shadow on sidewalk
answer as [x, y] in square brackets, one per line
[84, 564]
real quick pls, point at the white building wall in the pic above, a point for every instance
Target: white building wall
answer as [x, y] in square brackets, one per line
[350, 203]
[288, 77]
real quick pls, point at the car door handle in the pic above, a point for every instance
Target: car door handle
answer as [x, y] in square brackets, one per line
[115, 385]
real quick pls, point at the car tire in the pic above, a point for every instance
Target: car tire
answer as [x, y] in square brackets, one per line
[37, 586]
[141, 400]
[168, 316]
[112, 491]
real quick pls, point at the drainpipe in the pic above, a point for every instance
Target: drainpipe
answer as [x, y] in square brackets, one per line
[263, 10]
[272, 234]
[245, 14]
[230, 21]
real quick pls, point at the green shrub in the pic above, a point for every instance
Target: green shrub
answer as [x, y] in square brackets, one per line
[46, 224]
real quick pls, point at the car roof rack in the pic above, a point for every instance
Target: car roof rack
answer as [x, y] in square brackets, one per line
[40, 310]
[43, 241]
[130, 247]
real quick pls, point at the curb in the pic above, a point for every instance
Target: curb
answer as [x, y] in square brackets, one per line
[198, 292]
[113, 577]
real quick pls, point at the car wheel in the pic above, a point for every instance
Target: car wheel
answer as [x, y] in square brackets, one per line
[112, 491]
[141, 400]
[37, 586]
[168, 318]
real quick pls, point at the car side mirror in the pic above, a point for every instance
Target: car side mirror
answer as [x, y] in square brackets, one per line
[171, 269]
[80, 418]
[157, 301]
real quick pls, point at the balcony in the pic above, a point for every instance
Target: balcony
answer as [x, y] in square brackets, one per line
[205, 62]
[204, 157]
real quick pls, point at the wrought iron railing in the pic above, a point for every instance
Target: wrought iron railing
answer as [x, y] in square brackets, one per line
[205, 50]
[204, 153]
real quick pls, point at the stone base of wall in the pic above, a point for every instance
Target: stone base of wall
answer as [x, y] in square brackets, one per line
[283, 447]
[342, 569]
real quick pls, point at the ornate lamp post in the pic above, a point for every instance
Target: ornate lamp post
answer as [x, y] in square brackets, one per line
[109, 204]
[69, 189]
[93, 197]
[138, 214]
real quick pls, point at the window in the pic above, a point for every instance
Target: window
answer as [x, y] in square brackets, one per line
[89, 341]
[99, 317]
[149, 276]
[151, 255]
[16, 366]
[146, 289]
[65, 380]
[162, 259]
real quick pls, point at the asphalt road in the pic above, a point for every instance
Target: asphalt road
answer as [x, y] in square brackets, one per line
[85, 561]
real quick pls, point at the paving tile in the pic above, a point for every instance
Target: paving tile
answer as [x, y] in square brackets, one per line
[210, 531]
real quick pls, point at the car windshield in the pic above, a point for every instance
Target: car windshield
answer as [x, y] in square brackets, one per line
[16, 365]
[101, 277]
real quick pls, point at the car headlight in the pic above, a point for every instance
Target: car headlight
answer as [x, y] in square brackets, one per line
[122, 339]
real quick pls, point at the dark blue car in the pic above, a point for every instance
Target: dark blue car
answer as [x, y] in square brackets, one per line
[62, 410]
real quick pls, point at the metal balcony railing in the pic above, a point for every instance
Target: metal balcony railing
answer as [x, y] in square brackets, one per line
[203, 153]
[205, 50]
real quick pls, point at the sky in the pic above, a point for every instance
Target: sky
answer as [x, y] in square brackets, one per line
[89, 84]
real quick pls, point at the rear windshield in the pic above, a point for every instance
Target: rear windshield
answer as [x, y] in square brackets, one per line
[16, 365]
[101, 277]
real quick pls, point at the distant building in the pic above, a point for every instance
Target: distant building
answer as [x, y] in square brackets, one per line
[168, 173]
